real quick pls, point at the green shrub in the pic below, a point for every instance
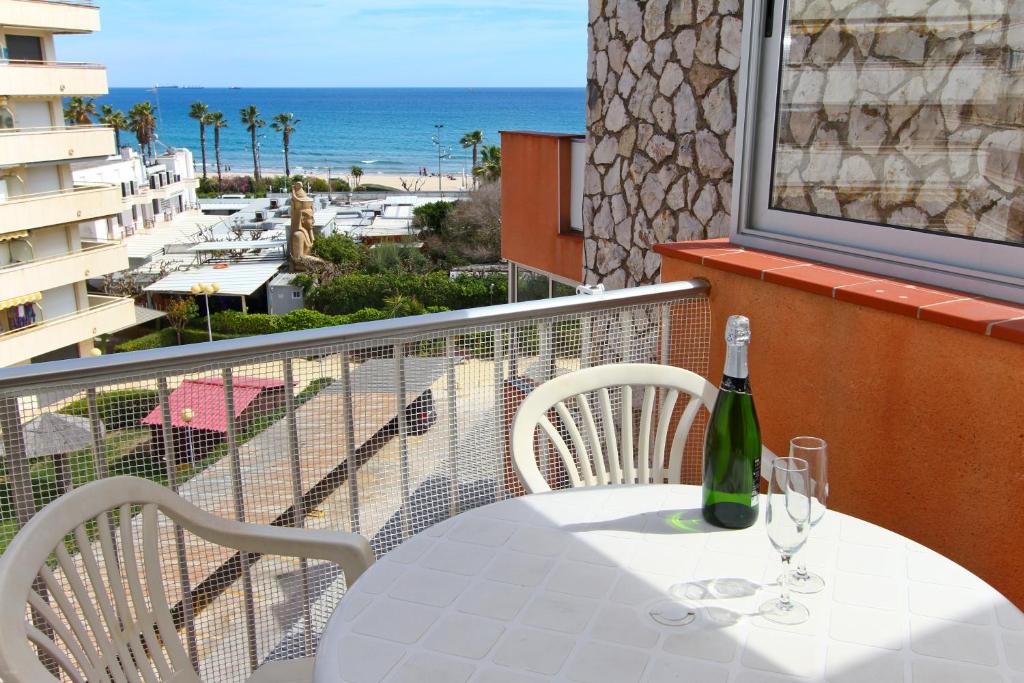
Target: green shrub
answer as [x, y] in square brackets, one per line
[118, 409]
[349, 293]
[153, 340]
[243, 324]
[340, 250]
[372, 187]
[433, 216]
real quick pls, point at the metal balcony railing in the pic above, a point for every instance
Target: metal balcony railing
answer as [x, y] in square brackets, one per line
[381, 428]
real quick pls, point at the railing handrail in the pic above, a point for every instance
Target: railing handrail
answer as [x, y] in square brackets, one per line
[88, 246]
[97, 302]
[70, 128]
[91, 4]
[67, 191]
[154, 361]
[52, 64]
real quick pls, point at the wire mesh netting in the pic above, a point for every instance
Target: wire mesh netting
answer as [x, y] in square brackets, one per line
[381, 438]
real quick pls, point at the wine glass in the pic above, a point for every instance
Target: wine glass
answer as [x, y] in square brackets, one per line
[815, 452]
[788, 521]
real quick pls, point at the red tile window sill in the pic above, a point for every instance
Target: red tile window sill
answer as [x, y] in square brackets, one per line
[955, 309]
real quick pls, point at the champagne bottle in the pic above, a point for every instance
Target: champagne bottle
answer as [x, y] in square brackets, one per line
[732, 445]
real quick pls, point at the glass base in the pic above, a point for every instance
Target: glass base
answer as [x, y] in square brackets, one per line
[673, 613]
[806, 583]
[790, 613]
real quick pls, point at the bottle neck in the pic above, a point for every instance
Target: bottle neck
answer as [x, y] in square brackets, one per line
[736, 364]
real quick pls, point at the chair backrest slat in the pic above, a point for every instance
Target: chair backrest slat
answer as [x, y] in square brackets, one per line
[563, 450]
[626, 443]
[625, 447]
[44, 643]
[84, 602]
[586, 470]
[143, 616]
[119, 665]
[70, 614]
[62, 630]
[644, 451]
[611, 436]
[600, 469]
[157, 595]
[665, 410]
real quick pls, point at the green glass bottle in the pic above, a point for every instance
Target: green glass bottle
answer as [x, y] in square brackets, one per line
[732, 445]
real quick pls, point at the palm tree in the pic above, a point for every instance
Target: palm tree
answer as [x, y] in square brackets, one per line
[490, 163]
[200, 112]
[142, 122]
[217, 121]
[285, 125]
[80, 110]
[116, 120]
[252, 122]
[473, 139]
[357, 173]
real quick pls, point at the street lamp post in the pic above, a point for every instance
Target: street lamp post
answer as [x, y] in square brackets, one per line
[442, 153]
[187, 415]
[206, 290]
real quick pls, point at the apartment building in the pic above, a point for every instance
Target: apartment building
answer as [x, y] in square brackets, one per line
[46, 311]
[150, 194]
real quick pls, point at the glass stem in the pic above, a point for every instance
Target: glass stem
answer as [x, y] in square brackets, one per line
[784, 600]
[801, 571]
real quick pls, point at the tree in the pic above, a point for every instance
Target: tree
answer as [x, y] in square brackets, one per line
[285, 125]
[180, 312]
[218, 122]
[116, 120]
[201, 113]
[142, 122]
[357, 173]
[490, 164]
[80, 110]
[252, 122]
[473, 139]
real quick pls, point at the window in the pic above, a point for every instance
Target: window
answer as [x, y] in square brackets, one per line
[888, 138]
[25, 48]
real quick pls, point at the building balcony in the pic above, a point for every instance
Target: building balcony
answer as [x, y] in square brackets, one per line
[83, 203]
[390, 427]
[58, 143]
[51, 16]
[94, 259]
[52, 79]
[173, 189]
[104, 315]
[542, 202]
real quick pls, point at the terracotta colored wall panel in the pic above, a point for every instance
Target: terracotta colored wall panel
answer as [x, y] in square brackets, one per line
[536, 176]
[925, 421]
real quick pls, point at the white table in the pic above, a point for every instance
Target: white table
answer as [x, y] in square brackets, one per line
[557, 587]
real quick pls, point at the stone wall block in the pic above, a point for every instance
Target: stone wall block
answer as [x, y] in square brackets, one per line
[707, 41]
[654, 19]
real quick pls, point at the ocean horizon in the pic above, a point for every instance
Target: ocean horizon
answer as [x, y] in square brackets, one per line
[383, 130]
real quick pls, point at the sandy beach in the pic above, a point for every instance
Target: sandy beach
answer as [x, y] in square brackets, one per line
[412, 182]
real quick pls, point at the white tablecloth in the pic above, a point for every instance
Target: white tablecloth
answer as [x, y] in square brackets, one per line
[558, 587]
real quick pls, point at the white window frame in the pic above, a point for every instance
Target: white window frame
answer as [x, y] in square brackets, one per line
[963, 264]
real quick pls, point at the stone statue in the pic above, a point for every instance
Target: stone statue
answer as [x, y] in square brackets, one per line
[300, 246]
[300, 233]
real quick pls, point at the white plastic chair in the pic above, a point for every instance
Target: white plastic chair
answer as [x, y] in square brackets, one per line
[108, 614]
[611, 459]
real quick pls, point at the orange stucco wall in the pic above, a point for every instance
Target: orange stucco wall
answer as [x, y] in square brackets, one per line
[925, 422]
[535, 184]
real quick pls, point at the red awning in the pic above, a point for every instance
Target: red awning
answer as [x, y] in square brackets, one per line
[205, 397]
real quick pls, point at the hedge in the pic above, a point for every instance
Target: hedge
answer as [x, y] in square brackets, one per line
[167, 337]
[349, 293]
[118, 409]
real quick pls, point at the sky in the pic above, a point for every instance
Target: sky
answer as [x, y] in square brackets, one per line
[338, 43]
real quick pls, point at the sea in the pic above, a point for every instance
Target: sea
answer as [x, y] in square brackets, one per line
[383, 130]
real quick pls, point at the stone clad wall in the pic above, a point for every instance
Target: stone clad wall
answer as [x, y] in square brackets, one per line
[661, 117]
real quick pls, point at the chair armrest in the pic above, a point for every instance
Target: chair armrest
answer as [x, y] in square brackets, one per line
[349, 551]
